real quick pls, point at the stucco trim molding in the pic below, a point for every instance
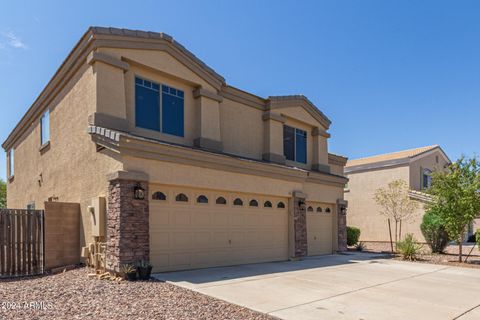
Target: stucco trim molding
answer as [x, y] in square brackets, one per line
[337, 160]
[273, 157]
[107, 121]
[299, 194]
[320, 132]
[268, 115]
[378, 165]
[320, 167]
[208, 144]
[107, 59]
[201, 92]
[127, 175]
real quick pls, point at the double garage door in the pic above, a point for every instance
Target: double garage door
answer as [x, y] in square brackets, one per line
[192, 228]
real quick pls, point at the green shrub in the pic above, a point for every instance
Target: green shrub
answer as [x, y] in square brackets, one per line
[477, 236]
[360, 246]
[409, 248]
[353, 234]
[434, 232]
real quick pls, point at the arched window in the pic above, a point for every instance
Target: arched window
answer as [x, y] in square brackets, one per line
[281, 205]
[159, 196]
[202, 199]
[327, 210]
[310, 209]
[181, 198]
[221, 200]
[427, 178]
[253, 203]
[238, 202]
[267, 204]
[319, 209]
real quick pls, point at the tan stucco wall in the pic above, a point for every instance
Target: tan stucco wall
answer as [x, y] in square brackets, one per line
[70, 169]
[364, 213]
[427, 162]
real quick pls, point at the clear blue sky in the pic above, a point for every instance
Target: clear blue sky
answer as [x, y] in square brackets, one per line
[390, 75]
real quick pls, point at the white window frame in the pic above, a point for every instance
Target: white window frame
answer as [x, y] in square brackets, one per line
[11, 163]
[45, 115]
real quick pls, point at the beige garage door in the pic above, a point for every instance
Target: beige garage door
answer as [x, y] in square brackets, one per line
[319, 228]
[198, 228]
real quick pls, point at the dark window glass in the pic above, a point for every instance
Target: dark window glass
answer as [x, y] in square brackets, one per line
[253, 203]
[289, 142]
[221, 200]
[202, 199]
[159, 196]
[310, 209]
[327, 210]
[172, 114]
[281, 205]
[300, 146]
[267, 204]
[147, 106]
[238, 202]
[319, 209]
[181, 198]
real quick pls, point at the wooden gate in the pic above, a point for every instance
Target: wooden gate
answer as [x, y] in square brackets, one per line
[22, 244]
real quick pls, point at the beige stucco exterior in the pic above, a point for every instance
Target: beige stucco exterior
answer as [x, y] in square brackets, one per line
[363, 211]
[229, 142]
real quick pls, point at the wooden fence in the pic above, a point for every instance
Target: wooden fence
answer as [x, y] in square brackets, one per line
[22, 244]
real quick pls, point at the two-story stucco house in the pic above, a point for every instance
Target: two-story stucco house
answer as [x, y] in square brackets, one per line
[195, 173]
[366, 175]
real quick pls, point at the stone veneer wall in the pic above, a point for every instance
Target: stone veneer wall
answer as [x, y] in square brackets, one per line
[342, 230]
[127, 224]
[300, 227]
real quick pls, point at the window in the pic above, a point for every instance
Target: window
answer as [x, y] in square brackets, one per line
[181, 198]
[426, 178]
[238, 202]
[159, 196]
[11, 163]
[202, 199]
[310, 209]
[281, 205]
[319, 209]
[327, 210]
[221, 200]
[267, 204]
[45, 128]
[295, 144]
[253, 203]
[31, 206]
[159, 111]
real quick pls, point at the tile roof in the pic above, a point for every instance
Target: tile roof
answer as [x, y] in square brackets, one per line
[390, 156]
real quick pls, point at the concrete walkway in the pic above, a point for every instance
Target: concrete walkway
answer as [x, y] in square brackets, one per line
[354, 286]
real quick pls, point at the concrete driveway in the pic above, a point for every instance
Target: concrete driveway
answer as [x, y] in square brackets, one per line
[354, 286]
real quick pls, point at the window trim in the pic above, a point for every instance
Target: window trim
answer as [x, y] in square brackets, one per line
[295, 144]
[10, 164]
[426, 173]
[160, 103]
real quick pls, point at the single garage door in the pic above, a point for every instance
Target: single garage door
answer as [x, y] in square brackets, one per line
[319, 228]
[199, 228]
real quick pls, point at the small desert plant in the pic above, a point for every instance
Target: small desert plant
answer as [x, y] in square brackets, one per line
[144, 269]
[129, 272]
[360, 246]
[409, 248]
[143, 264]
[434, 232]
[353, 234]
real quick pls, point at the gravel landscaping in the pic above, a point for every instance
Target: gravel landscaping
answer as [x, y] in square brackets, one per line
[72, 295]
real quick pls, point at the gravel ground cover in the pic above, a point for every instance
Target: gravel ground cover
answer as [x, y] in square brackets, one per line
[72, 295]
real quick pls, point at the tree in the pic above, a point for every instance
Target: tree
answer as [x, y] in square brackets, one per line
[3, 194]
[456, 198]
[396, 205]
[434, 232]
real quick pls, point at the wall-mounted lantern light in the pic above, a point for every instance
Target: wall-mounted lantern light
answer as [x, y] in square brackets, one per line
[139, 192]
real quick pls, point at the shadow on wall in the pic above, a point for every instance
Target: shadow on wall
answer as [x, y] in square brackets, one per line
[250, 270]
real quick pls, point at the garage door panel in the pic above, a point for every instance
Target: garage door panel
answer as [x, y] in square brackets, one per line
[192, 235]
[319, 230]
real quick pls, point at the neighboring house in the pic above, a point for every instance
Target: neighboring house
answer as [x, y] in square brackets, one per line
[366, 175]
[195, 173]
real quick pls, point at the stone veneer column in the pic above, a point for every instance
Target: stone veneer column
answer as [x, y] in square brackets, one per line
[127, 221]
[342, 224]
[300, 245]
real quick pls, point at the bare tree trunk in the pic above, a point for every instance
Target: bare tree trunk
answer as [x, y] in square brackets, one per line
[400, 232]
[390, 231]
[396, 234]
[460, 244]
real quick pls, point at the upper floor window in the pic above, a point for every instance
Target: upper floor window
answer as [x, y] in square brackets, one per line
[159, 107]
[45, 128]
[11, 166]
[426, 178]
[295, 144]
